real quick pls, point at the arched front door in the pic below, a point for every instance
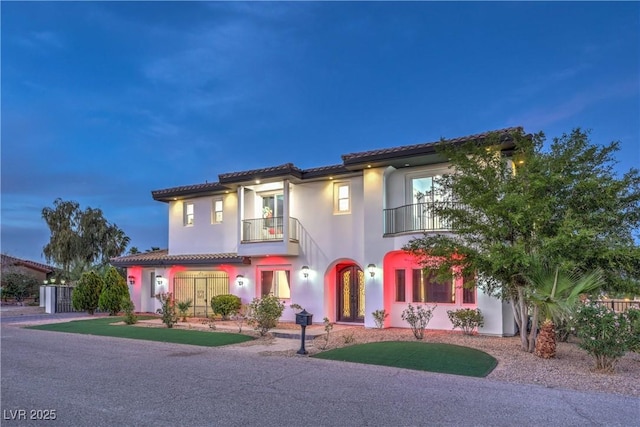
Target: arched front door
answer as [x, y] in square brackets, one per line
[350, 294]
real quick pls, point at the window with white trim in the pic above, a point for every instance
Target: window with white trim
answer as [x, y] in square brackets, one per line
[216, 211]
[276, 282]
[341, 198]
[188, 209]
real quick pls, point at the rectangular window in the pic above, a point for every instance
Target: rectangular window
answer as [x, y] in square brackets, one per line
[216, 211]
[341, 198]
[400, 286]
[188, 213]
[152, 284]
[275, 282]
[468, 294]
[427, 289]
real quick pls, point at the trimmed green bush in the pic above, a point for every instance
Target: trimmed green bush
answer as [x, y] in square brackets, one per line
[129, 315]
[86, 294]
[225, 305]
[466, 319]
[113, 291]
[264, 313]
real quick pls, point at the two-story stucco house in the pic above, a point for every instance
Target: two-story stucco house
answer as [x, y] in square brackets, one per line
[329, 239]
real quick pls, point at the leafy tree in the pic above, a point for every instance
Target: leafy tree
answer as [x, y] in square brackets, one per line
[86, 294]
[113, 291]
[18, 285]
[80, 238]
[565, 206]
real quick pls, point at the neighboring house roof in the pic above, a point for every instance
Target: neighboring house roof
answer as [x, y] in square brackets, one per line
[162, 257]
[8, 261]
[402, 156]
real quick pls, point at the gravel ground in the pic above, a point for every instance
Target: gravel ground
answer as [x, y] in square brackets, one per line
[572, 367]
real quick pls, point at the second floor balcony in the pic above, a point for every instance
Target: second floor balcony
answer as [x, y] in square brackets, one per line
[274, 236]
[417, 217]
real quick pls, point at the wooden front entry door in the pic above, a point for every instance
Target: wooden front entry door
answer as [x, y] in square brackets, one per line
[350, 294]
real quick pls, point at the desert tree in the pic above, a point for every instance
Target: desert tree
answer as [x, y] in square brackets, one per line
[510, 202]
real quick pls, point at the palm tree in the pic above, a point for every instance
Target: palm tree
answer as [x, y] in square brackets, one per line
[554, 294]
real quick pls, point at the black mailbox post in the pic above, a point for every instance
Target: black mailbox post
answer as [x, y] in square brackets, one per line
[303, 319]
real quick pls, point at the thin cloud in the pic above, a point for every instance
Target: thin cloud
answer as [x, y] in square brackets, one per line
[40, 40]
[545, 115]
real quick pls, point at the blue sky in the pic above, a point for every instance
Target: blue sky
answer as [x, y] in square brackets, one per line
[104, 102]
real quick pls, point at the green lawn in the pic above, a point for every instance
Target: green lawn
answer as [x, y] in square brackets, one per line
[432, 357]
[102, 326]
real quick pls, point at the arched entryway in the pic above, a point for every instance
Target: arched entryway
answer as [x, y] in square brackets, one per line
[350, 293]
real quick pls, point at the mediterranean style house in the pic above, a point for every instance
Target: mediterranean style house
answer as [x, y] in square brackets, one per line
[328, 239]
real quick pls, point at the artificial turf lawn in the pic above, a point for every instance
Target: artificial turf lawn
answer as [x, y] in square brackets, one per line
[103, 327]
[432, 357]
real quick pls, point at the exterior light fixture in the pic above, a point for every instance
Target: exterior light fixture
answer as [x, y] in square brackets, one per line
[132, 280]
[45, 282]
[53, 280]
[240, 279]
[62, 282]
[372, 269]
[305, 271]
[159, 280]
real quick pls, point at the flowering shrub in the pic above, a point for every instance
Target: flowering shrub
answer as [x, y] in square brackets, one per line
[603, 333]
[418, 318]
[466, 319]
[168, 310]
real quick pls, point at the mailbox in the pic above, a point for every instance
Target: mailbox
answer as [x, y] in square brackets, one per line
[304, 319]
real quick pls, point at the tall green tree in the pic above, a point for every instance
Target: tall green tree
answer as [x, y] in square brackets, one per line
[509, 202]
[114, 290]
[87, 292]
[81, 239]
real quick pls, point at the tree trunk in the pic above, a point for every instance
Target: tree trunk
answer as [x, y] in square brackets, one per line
[523, 319]
[534, 331]
[546, 342]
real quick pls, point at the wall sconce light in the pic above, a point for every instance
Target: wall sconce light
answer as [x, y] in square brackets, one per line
[132, 280]
[159, 280]
[53, 280]
[372, 269]
[240, 279]
[45, 282]
[62, 282]
[305, 271]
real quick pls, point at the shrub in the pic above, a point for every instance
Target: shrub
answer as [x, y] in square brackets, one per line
[225, 305]
[378, 318]
[633, 314]
[466, 319]
[264, 313]
[18, 286]
[418, 318]
[183, 307]
[114, 290]
[239, 317]
[86, 294]
[129, 316]
[168, 310]
[328, 327]
[604, 334]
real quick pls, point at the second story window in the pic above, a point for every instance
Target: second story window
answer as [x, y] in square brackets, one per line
[341, 198]
[188, 213]
[216, 211]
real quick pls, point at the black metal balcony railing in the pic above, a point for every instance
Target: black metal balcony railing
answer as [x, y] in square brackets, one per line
[416, 217]
[268, 229]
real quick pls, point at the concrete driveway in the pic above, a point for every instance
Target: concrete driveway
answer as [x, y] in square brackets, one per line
[101, 381]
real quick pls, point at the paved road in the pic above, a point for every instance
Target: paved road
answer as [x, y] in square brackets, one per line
[101, 381]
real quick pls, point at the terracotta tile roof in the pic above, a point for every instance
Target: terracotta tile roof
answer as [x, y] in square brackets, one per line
[12, 261]
[274, 171]
[162, 257]
[416, 149]
[325, 171]
[168, 194]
